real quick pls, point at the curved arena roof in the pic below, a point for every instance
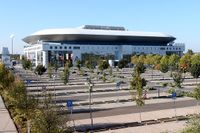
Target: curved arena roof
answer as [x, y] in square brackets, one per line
[96, 35]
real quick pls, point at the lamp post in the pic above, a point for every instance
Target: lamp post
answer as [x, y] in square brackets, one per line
[12, 38]
[90, 85]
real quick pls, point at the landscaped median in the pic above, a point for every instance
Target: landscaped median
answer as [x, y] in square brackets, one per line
[24, 109]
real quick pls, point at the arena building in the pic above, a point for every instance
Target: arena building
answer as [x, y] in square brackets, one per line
[50, 45]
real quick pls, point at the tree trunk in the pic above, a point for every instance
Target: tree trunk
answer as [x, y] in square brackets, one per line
[196, 81]
[140, 114]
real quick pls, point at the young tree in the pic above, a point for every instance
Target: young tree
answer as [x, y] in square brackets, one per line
[40, 70]
[78, 65]
[136, 84]
[122, 63]
[103, 64]
[177, 77]
[90, 64]
[47, 120]
[104, 77]
[196, 93]
[65, 74]
[50, 71]
[26, 64]
[140, 67]
[110, 72]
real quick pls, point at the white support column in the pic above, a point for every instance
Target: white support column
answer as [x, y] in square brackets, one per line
[36, 58]
[45, 62]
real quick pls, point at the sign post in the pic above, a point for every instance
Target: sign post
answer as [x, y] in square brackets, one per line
[70, 107]
[174, 98]
[118, 87]
[28, 81]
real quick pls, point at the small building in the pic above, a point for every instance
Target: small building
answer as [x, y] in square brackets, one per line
[58, 45]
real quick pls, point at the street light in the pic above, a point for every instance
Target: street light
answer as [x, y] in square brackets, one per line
[12, 38]
[90, 85]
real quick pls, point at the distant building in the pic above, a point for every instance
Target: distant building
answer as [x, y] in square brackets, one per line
[50, 45]
[5, 56]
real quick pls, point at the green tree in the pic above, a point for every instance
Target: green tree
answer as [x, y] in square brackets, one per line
[196, 93]
[40, 70]
[26, 64]
[138, 59]
[68, 63]
[177, 77]
[90, 64]
[156, 61]
[136, 84]
[50, 71]
[24, 106]
[6, 77]
[164, 64]
[140, 67]
[149, 60]
[193, 126]
[135, 59]
[185, 63]
[122, 63]
[195, 66]
[104, 77]
[110, 72]
[190, 52]
[65, 74]
[173, 62]
[47, 120]
[103, 64]
[78, 64]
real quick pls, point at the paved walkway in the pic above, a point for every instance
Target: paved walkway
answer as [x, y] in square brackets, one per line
[151, 115]
[6, 123]
[169, 127]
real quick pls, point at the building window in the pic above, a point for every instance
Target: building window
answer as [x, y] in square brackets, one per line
[65, 47]
[70, 47]
[162, 48]
[55, 47]
[60, 47]
[76, 47]
[51, 47]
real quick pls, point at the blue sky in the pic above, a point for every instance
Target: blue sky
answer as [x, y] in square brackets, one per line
[180, 18]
